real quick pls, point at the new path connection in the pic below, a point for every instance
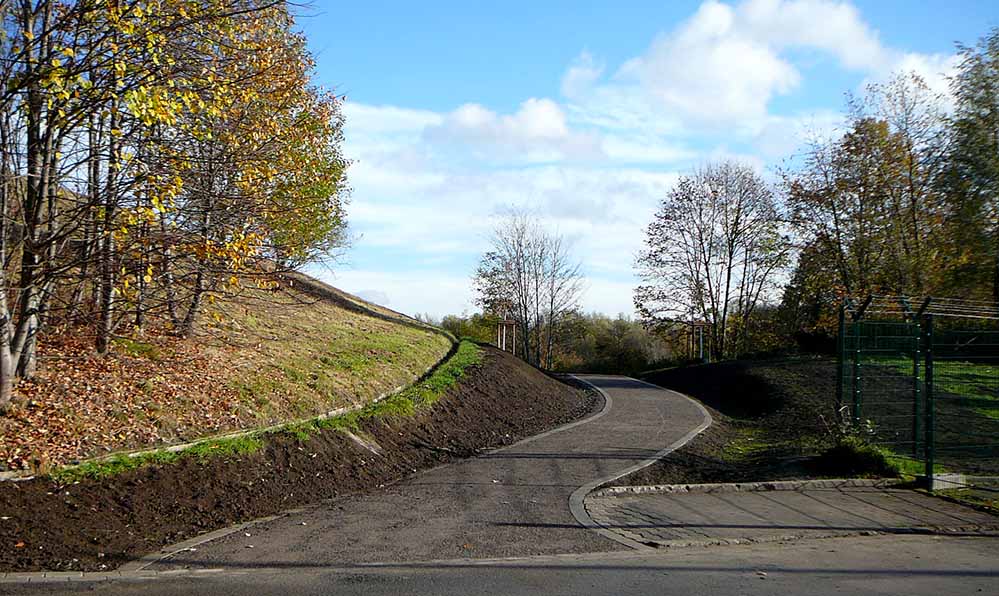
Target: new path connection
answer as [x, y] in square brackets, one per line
[513, 522]
[510, 502]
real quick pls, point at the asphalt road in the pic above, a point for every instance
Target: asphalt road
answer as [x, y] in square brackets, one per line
[910, 565]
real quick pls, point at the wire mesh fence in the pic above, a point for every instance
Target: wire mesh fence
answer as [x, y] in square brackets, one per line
[923, 382]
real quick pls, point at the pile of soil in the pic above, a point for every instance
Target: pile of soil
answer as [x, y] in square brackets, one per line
[789, 405]
[97, 525]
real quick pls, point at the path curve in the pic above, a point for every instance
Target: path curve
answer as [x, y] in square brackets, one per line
[522, 500]
[577, 500]
[516, 501]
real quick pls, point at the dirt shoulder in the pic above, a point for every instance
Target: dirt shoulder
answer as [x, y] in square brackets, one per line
[99, 524]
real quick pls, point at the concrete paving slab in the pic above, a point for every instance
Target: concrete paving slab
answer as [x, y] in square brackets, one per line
[668, 518]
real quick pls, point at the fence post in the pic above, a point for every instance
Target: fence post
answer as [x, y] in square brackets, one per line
[928, 401]
[856, 373]
[918, 342]
[840, 359]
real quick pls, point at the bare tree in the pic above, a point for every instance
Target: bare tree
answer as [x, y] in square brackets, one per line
[530, 276]
[712, 252]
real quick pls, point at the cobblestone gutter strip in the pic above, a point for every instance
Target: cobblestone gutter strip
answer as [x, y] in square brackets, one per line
[782, 485]
[795, 537]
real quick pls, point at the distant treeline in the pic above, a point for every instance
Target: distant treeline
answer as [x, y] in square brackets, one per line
[585, 342]
[903, 200]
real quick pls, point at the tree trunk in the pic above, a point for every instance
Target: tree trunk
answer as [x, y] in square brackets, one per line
[105, 325]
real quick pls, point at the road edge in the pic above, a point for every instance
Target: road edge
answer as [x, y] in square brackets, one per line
[137, 568]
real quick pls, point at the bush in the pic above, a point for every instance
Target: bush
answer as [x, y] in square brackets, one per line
[852, 456]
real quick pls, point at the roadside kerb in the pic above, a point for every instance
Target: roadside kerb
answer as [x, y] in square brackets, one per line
[734, 487]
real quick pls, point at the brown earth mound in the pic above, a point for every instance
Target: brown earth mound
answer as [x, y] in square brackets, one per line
[94, 525]
[771, 420]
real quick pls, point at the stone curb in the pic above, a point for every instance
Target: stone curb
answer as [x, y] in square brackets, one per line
[734, 487]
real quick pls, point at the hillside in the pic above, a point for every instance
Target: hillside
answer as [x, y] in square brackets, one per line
[776, 420]
[773, 419]
[264, 356]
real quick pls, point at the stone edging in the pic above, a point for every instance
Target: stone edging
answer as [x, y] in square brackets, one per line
[733, 487]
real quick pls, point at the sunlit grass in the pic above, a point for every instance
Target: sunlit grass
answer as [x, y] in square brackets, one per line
[977, 384]
[405, 403]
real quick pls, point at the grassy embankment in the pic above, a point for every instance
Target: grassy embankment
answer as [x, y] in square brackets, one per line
[777, 419]
[976, 384]
[276, 357]
[404, 403]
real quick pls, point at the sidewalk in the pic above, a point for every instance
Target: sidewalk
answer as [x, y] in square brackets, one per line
[717, 514]
[510, 502]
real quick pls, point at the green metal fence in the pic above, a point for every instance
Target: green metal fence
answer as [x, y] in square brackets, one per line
[921, 379]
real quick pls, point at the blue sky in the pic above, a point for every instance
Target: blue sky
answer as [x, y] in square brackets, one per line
[585, 113]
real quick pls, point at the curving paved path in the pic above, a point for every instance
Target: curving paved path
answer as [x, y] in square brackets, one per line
[519, 501]
[510, 502]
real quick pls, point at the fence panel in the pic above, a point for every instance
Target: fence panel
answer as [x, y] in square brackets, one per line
[966, 398]
[925, 387]
[882, 382]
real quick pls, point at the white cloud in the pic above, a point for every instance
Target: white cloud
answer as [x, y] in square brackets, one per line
[711, 70]
[374, 296]
[830, 26]
[581, 75]
[935, 69]
[537, 132]
[388, 119]
[781, 136]
[720, 69]
[595, 165]
[413, 292]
